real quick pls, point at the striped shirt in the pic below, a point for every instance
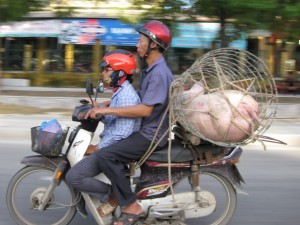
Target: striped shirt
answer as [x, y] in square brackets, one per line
[117, 128]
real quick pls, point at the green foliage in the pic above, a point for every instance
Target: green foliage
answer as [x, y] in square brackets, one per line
[278, 16]
[63, 12]
[166, 11]
[16, 9]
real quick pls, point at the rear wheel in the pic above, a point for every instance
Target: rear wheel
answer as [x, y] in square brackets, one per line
[224, 194]
[25, 191]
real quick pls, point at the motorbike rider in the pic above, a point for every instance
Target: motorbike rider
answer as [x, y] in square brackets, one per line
[156, 78]
[118, 67]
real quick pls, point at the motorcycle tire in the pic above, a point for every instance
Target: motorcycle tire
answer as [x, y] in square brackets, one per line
[28, 187]
[224, 194]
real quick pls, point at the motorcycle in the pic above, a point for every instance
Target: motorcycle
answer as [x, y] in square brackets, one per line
[197, 183]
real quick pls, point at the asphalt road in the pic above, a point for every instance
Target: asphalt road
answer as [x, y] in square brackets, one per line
[272, 183]
[272, 176]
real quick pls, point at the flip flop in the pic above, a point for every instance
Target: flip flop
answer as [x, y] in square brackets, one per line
[129, 219]
[105, 209]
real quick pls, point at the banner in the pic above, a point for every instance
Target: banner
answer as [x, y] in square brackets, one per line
[201, 35]
[107, 31]
[113, 32]
[39, 28]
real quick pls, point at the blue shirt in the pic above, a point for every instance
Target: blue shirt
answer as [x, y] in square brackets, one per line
[117, 128]
[154, 91]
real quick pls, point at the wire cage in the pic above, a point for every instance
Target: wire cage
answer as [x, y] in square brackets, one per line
[227, 97]
[47, 143]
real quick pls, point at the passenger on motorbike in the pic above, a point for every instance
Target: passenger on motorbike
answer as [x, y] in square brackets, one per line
[156, 78]
[118, 67]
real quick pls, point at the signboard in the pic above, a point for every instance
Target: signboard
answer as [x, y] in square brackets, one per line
[201, 35]
[87, 31]
[112, 32]
[40, 28]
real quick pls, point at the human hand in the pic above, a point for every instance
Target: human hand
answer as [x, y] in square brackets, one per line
[94, 113]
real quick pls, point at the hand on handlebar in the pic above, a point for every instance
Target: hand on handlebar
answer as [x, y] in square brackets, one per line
[104, 104]
[94, 113]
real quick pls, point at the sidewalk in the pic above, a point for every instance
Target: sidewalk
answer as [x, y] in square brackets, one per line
[286, 126]
[17, 127]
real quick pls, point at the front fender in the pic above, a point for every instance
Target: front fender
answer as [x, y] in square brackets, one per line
[230, 172]
[42, 161]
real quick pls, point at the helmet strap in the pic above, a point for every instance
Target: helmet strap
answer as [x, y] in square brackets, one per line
[117, 79]
[149, 49]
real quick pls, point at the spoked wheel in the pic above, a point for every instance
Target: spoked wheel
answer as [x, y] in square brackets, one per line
[222, 196]
[25, 191]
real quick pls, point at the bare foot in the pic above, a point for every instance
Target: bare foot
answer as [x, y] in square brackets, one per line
[134, 208]
[108, 207]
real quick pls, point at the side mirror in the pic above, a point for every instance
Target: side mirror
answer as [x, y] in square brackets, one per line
[89, 87]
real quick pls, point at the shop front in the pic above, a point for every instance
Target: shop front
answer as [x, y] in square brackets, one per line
[75, 46]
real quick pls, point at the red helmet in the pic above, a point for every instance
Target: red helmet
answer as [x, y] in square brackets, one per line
[119, 59]
[157, 32]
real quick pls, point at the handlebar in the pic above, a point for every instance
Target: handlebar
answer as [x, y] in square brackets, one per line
[99, 116]
[79, 113]
[83, 101]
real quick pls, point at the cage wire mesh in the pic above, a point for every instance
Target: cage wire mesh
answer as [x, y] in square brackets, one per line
[227, 97]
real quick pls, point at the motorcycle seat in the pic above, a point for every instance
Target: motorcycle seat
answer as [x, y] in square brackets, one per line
[178, 153]
[181, 154]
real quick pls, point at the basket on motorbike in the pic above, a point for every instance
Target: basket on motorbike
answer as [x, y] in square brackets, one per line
[47, 143]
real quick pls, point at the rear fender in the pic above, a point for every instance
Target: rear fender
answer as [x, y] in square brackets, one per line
[230, 172]
[42, 161]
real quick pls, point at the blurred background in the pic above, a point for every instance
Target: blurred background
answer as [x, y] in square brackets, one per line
[59, 43]
[48, 48]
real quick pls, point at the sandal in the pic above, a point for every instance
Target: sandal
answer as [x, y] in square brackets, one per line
[105, 209]
[129, 219]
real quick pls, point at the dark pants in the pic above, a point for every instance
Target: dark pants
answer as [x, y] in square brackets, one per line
[111, 160]
[81, 178]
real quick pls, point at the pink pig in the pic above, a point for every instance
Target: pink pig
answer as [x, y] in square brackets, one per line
[228, 116]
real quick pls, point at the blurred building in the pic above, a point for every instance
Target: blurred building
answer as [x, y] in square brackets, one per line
[75, 44]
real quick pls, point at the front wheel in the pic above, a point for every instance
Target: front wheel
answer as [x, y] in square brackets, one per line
[28, 187]
[225, 199]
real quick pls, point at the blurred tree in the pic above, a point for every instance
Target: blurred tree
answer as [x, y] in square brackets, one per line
[287, 22]
[274, 15]
[13, 11]
[167, 11]
[16, 9]
[234, 16]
